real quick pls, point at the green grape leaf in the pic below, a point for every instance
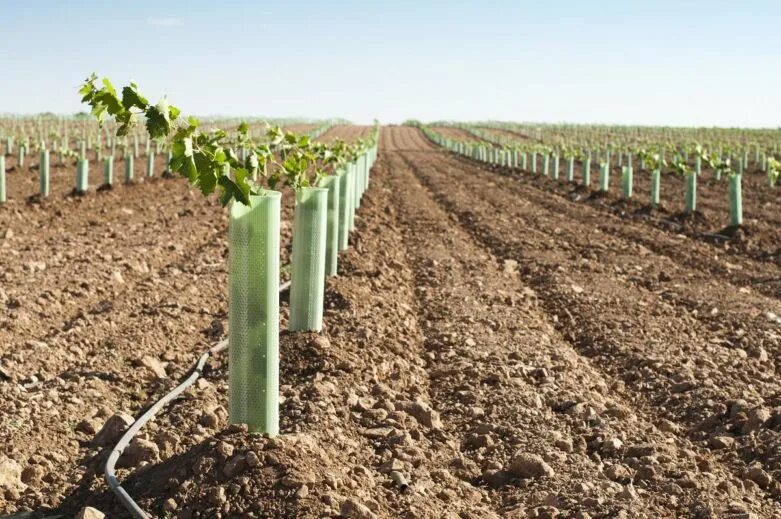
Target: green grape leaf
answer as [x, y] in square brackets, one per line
[237, 187]
[132, 97]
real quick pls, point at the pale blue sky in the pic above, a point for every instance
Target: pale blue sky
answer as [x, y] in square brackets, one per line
[694, 62]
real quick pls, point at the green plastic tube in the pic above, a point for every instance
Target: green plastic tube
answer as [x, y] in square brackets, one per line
[691, 192]
[626, 181]
[570, 169]
[253, 313]
[735, 200]
[150, 165]
[352, 208]
[587, 172]
[307, 281]
[332, 184]
[534, 163]
[656, 176]
[366, 170]
[357, 180]
[82, 176]
[523, 161]
[555, 172]
[129, 168]
[3, 196]
[108, 171]
[22, 153]
[345, 195]
[44, 172]
[698, 165]
[135, 146]
[545, 166]
[604, 177]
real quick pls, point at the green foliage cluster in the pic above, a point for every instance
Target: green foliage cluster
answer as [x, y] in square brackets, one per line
[233, 162]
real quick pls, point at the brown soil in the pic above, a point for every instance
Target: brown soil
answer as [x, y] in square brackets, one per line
[512, 351]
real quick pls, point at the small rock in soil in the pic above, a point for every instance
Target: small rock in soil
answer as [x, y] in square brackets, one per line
[170, 505]
[216, 495]
[758, 476]
[153, 365]
[139, 451]
[113, 429]
[353, 509]
[252, 459]
[90, 513]
[10, 475]
[526, 465]
[234, 466]
[722, 442]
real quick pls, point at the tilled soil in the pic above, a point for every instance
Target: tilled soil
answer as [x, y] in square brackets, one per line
[507, 350]
[758, 237]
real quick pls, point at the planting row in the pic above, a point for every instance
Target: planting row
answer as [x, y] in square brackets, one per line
[686, 179]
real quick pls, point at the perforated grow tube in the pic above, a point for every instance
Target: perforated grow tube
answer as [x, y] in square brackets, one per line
[307, 280]
[3, 196]
[82, 176]
[332, 184]
[108, 171]
[587, 172]
[604, 177]
[627, 181]
[44, 172]
[344, 209]
[129, 166]
[655, 185]
[735, 200]
[691, 192]
[253, 313]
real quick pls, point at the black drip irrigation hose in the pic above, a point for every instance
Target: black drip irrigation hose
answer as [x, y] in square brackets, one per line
[136, 511]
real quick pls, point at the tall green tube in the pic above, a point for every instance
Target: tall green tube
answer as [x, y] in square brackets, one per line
[604, 177]
[253, 313]
[108, 171]
[735, 200]
[587, 172]
[44, 174]
[3, 196]
[656, 176]
[691, 192]
[351, 206]
[698, 165]
[570, 169]
[307, 282]
[82, 176]
[357, 180]
[626, 181]
[545, 165]
[150, 165]
[22, 153]
[523, 161]
[332, 184]
[534, 162]
[555, 174]
[345, 196]
[129, 168]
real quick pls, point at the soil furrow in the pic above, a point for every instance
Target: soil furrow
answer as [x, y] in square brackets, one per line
[596, 329]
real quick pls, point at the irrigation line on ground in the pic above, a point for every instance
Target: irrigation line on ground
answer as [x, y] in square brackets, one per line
[136, 511]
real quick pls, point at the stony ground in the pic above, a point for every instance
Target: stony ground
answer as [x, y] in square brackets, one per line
[495, 345]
